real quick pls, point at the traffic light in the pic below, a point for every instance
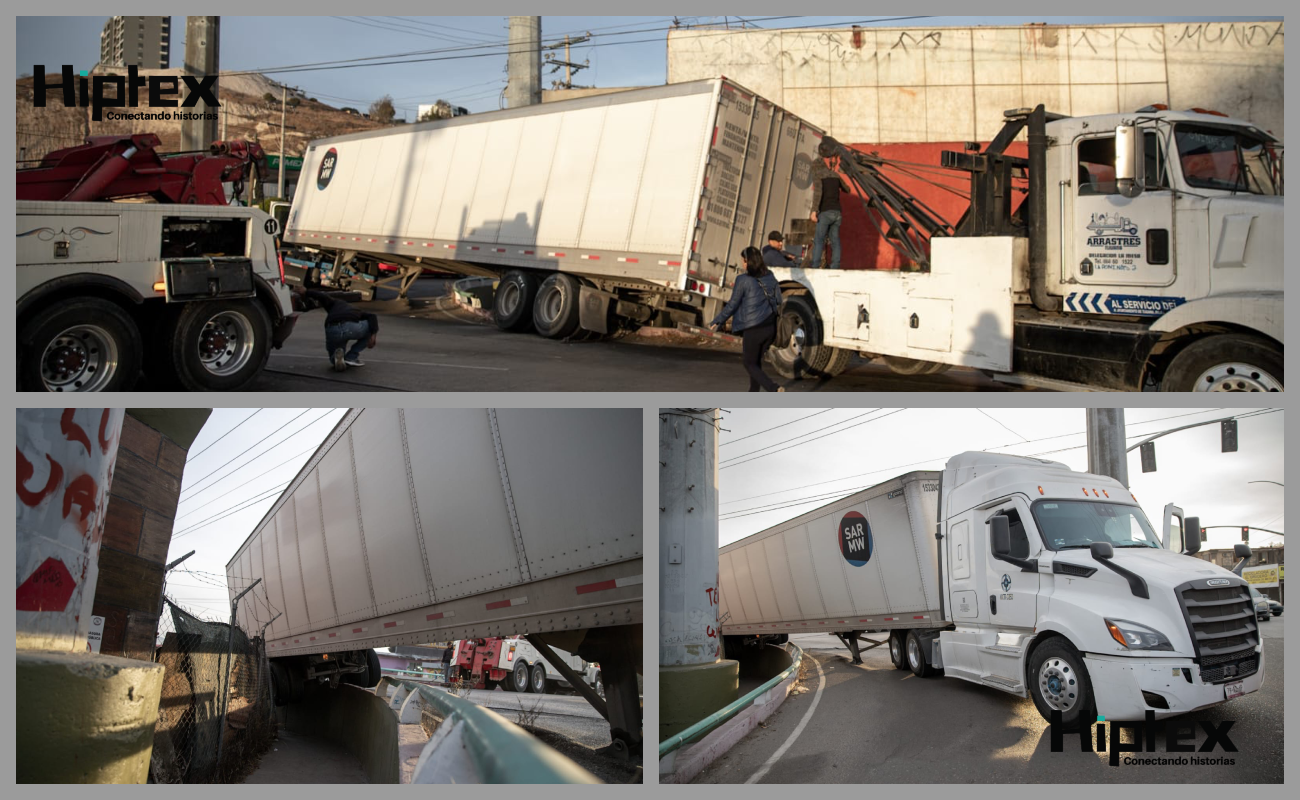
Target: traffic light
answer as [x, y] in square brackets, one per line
[1205, 537]
[1148, 453]
[1228, 436]
[1245, 533]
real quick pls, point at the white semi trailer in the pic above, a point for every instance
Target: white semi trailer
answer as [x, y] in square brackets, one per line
[1147, 251]
[416, 525]
[1014, 573]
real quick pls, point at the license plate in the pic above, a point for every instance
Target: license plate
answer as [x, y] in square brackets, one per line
[1232, 690]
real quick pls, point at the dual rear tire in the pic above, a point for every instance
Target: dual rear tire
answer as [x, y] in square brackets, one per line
[548, 306]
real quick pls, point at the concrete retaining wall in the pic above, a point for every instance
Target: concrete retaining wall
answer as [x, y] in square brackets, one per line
[952, 84]
[354, 718]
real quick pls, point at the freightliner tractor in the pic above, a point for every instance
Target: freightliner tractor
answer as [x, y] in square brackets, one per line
[1013, 573]
[1126, 251]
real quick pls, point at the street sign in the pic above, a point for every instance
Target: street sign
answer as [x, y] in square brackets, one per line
[1261, 577]
[292, 162]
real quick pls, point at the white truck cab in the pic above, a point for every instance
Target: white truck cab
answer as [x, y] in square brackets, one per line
[1058, 588]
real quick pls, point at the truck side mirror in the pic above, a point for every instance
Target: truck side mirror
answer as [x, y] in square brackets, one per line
[1130, 160]
[1191, 536]
[1102, 551]
[1241, 550]
[1000, 535]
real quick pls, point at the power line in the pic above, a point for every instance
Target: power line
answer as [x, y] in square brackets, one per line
[236, 458]
[823, 436]
[998, 421]
[800, 436]
[250, 480]
[227, 512]
[224, 435]
[259, 455]
[760, 433]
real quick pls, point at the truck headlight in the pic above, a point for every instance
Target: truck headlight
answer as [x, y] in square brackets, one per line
[1137, 637]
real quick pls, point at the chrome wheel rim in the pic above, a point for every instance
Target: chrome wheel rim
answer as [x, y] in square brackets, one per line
[509, 298]
[1058, 684]
[225, 343]
[549, 302]
[895, 649]
[1236, 376]
[913, 654]
[83, 358]
[539, 680]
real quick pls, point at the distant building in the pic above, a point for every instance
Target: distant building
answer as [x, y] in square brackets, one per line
[143, 42]
[1259, 556]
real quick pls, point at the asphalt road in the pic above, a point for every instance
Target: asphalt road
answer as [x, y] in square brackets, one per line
[430, 347]
[875, 724]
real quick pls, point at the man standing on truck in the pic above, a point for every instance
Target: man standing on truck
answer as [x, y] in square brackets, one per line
[827, 185]
[774, 253]
[343, 324]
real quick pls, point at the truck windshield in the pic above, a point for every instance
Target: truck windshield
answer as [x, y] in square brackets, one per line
[1068, 524]
[1229, 158]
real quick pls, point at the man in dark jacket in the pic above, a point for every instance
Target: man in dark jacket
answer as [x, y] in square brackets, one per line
[343, 324]
[774, 254]
[827, 185]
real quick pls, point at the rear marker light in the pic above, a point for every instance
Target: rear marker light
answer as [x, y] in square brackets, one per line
[161, 286]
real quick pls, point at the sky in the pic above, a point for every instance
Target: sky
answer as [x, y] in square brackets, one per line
[623, 51]
[235, 471]
[760, 478]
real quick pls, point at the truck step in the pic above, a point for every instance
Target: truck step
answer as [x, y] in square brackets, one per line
[1003, 683]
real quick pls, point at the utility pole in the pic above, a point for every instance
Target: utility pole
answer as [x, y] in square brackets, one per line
[524, 62]
[284, 99]
[1106, 453]
[567, 63]
[202, 51]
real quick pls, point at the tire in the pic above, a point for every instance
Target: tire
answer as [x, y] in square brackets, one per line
[800, 318]
[80, 345]
[1056, 668]
[1230, 362]
[555, 309]
[512, 305]
[910, 366]
[539, 684]
[519, 677]
[898, 649]
[374, 670]
[917, 660]
[220, 345]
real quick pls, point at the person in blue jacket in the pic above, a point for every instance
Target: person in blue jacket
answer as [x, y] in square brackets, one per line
[754, 308]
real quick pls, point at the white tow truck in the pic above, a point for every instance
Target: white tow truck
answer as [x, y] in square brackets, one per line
[1013, 573]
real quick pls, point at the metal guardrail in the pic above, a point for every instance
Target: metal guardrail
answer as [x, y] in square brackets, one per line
[501, 752]
[711, 722]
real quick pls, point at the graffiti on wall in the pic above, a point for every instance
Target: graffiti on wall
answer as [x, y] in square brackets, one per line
[65, 460]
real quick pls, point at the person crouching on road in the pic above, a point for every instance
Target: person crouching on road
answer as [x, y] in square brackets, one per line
[774, 252]
[756, 305]
[343, 324]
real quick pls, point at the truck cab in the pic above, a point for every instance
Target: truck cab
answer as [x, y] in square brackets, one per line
[1057, 587]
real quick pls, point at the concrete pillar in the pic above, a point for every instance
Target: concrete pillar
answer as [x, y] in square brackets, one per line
[524, 62]
[202, 57]
[694, 680]
[1106, 450]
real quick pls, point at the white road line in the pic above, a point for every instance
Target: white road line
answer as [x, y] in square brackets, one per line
[407, 363]
[803, 723]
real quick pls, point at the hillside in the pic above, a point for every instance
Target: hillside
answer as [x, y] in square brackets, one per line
[247, 115]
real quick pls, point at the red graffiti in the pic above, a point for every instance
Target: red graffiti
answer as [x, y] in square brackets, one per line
[711, 632]
[714, 596]
[48, 588]
[81, 493]
[103, 428]
[72, 430]
[25, 472]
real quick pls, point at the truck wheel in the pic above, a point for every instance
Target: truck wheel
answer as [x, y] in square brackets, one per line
[917, 660]
[910, 366]
[512, 307]
[1058, 681]
[519, 678]
[80, 345]
[539, 683]
[220, 345]
[555, 311]
[897, 649]
[1230, 362]
[797, 355]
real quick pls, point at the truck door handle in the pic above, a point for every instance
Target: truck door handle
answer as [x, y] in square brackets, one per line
[993, 604]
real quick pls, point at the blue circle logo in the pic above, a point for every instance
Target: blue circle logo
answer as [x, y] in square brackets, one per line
[855, 539]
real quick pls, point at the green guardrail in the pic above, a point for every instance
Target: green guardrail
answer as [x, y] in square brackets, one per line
[501, 751]
[709, 723]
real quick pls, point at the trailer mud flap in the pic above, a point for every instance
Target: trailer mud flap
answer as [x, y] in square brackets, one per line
[594, 308]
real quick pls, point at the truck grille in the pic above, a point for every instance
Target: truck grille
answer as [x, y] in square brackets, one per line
[1221, 620]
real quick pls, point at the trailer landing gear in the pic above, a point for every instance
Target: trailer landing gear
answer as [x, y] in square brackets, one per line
[851, 640]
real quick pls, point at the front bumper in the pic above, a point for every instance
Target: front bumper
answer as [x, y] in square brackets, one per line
[1118, 684]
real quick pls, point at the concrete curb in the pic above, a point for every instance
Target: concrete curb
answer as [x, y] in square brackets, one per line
[681, 766]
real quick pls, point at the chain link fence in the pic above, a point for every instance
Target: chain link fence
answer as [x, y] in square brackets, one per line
[215, 716]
